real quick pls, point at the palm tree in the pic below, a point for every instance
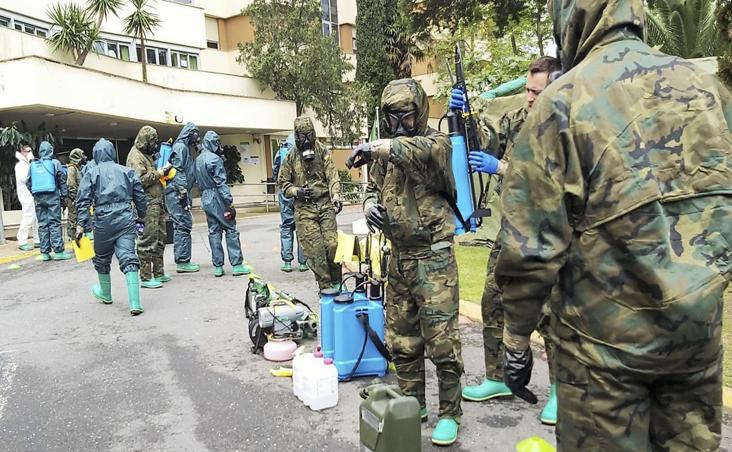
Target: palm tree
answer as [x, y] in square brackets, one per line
[141, 23]
[685, 28]
[102, 9]
[77, 30]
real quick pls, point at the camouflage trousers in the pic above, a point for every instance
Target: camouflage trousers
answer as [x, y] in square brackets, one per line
[422, 316]
[601, 410]
[315, 223]
[491, 305]
[71, 219]
[151, 245]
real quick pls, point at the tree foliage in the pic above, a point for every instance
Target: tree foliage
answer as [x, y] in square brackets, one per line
[291, 56]
[685, 28]
[232, 157]
[374, 69]
[724, 27]
[140, 24]
[79, 27]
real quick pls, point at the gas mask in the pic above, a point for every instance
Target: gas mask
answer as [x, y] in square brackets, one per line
[401, 123]
[305, 143]
[152, 147]
[195, 141]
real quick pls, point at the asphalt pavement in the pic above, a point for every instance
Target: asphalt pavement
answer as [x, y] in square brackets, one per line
[78, 375]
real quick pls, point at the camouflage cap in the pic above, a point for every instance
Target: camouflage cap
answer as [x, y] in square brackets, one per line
[144, 136]
[579, 25]
[406, 94]
[303, 124]
[76, 155]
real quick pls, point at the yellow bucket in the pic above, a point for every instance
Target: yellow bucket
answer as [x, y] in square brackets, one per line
[84, 250]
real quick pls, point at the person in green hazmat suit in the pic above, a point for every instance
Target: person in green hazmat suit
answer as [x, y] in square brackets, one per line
[619, 196]
[309, 176]
[500, 138]
[407, 199]
[120, 204]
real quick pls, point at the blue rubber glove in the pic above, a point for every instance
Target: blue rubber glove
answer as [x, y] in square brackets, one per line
[482, 162]
[457, 99]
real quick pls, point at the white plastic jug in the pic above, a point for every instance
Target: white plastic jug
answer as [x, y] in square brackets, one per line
[300, 363]
[326, 386]
[309, 377]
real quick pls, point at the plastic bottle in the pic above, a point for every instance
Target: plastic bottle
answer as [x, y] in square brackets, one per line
[277, 350]
[300, 364]
[308, 383]
[326, 386]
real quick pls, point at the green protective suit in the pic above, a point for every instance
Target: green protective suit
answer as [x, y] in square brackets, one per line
[422, 291]
[620, 189]
[315, 217]
[151, 245]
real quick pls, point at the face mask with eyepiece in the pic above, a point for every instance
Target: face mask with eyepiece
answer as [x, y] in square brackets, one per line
[305, 142]
[401, 123]
[195, 141]
[152, 146]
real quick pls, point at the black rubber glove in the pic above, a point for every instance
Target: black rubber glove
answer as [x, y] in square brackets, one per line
[338, 206]
[360, 156]
[63, 203]
[229, 213]
[304, 193]
[79, 235]
[375, 217]
[517, 368]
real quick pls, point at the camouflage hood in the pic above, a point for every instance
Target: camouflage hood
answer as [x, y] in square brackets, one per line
[580, 25]
[406, 94]
[144, 136]
[303, 124]
[211, 142]
[104, 151]
[76, 156]
[45, 150]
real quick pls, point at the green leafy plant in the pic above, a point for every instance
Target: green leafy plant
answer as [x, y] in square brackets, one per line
[232, 157]
[140, 24]
[685, 28]
[291, 56]
[724, 27]
[349, 190]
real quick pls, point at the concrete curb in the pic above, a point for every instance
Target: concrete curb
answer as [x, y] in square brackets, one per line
[24, 255]
[472, 311]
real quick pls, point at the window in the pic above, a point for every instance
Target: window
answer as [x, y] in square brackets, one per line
[212, 44]
[30, 29]
[118, 50]
[184, 60]
[153, 55]
[4, 21]
[330, 18]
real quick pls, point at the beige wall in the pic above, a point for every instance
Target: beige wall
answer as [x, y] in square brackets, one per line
[346, 36]
[347, 11]
[235, 30]
[426, 66]
[223, 9]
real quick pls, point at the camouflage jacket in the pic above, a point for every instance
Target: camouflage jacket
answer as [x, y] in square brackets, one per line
[620, 188]
[320, 175]
[412, 185]
[73, 178]
[145, 165]
[498, 135]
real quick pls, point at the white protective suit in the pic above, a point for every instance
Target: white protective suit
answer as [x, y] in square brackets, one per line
[26, 199]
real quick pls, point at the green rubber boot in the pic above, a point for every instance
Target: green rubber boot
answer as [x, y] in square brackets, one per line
[423, 414]
[164, 278]
[218, 272]
[151, 283]
[303, 267]
[485, 391]
[26, 247]
[549, 413]
[133, 292]
[240, 270]
[45, 257]
[187, 268]
[62, 256]
[103, 290]
[445, 432]
[286, 267]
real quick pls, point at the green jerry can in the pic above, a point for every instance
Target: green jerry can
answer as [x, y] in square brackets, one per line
[389, 421]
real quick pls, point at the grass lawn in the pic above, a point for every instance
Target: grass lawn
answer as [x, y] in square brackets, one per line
[472, 266]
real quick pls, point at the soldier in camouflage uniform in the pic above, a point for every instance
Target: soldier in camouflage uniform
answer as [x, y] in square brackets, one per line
[73, 178]
[620, 189]
[501, 139]
[151, 245]
[309, 175]
[410, 180]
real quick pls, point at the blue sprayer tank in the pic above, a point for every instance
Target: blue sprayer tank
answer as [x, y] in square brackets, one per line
[342, 334]
[461, 174]
[43, 176]
[165, 150]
